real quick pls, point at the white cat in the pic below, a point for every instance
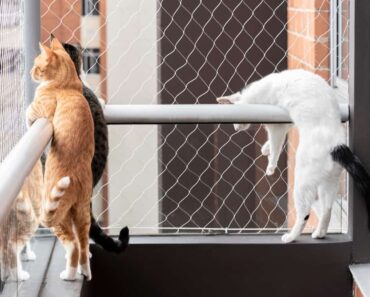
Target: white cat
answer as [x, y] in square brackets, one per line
[314, 110]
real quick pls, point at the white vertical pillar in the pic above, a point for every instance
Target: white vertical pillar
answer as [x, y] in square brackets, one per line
[31, 38]
[132, 79]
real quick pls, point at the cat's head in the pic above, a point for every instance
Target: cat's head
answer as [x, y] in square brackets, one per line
[53, 63]
[76, 55]
[234, 99]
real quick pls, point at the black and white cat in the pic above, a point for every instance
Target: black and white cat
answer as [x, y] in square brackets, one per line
[321, 153]
[100, 157]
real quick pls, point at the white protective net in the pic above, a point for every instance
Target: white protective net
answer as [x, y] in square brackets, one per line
[12, 106]
[198, 178]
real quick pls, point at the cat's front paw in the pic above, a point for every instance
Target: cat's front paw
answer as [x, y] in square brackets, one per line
[29, 122]
[18, 275]
[286, 238]
[69, 274]
[31, 256]
[23, 275]
[265, 149]
[270, 170]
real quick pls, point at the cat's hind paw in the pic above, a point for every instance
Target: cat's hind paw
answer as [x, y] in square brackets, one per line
[86, 271]
[270, 170]
[69, 274]
[286, 238]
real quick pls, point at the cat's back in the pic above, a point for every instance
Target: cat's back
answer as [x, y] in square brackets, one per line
[302, 86]
[308, 97]
[73, 123]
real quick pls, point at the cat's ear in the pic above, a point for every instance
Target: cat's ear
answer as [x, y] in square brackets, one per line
[45, 50]
[225, 100]
[56, 44]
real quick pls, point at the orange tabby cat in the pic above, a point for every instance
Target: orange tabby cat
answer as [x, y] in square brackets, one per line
[19, 226]
[68, 176]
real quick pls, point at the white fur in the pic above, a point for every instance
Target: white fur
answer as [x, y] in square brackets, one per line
[86, 270]
[70, 272]
[23, 206]
[56, 193]
[64, 182]
[17, 273]
[312, 105]
[51, 205]
[29, 254]
[83, 77]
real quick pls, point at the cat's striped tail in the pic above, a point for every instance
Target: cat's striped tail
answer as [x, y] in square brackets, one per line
[343, 155]
[52, 202]
[59, 189]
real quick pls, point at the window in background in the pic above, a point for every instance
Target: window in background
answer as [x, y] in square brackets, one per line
[340, 46]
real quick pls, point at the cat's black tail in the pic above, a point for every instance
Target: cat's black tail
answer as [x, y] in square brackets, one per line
[107, 242]
[346, 158]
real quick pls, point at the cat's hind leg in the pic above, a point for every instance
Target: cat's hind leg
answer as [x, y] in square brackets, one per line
[16, 272]
[82, 223]
[327, 192]
[276, 136]
[64, 232]
[304, 196]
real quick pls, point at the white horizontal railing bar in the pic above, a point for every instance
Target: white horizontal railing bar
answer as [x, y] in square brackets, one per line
[20, 162]
[200, 113]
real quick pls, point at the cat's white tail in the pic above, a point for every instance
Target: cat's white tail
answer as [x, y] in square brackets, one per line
[59, 189]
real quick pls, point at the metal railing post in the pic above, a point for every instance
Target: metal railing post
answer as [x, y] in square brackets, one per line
[31, 38]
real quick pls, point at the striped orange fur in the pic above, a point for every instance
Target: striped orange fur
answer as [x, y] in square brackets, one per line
[19, 226]
[68, 177]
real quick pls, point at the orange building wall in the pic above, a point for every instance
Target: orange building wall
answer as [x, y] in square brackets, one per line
[62, 18]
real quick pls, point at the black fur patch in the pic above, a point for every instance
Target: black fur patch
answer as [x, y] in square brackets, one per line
[100, 157]
[107, 242]
[306, 217]
[75, 53]
[343, 155]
